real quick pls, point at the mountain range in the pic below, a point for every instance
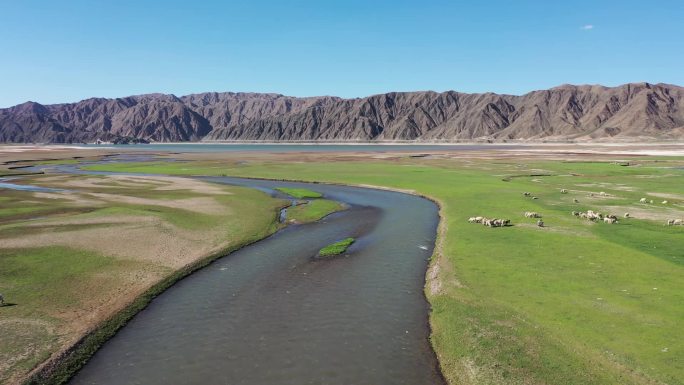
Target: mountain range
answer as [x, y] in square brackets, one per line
[630, 112]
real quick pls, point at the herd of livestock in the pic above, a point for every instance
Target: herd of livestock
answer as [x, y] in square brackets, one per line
[589, 214]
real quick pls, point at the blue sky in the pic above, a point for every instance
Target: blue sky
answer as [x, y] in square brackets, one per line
[65, 51]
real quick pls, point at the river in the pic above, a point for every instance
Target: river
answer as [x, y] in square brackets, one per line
[272, 313]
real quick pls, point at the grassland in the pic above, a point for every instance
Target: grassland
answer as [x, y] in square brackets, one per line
[313, 210]
[575, 302]
[93, 255]
[299, 193]
[336, 248]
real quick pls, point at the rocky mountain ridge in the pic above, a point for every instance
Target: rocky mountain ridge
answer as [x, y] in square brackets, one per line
[635, 111]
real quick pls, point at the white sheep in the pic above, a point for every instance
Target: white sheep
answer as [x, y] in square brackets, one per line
[626, 215]
[609, 220]
[563, 191]
[664, 202]
[642, 200]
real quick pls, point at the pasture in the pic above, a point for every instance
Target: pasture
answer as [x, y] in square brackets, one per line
[573, 302]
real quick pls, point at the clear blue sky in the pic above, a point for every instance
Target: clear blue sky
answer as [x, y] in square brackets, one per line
[64, 51]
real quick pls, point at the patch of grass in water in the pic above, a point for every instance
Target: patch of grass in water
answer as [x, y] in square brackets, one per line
[336, 248]
[313, 211]
[299, 193]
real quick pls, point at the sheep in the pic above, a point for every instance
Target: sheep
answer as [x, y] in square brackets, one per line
[563, 191]
[611, 216]
[651, 201]
[664, 202]
[678, 222]
[535, 198]
[626, 215]
[603, 193]
[642, 200]
[540, 223]
[670, 222]
[527, 193]
[576, 213]
[532, 214]
[610, 220]
[575, 200]
[594, 216]
[472, 220]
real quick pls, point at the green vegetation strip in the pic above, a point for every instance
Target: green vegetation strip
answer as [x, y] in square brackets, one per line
[313, 211]
[336, 248]
[299, 193]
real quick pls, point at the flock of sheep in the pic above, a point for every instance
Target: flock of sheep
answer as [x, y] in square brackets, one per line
[495, 222]
[589, 214]
[594, 216]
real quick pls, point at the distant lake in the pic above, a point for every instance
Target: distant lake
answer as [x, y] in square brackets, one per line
[290, 147]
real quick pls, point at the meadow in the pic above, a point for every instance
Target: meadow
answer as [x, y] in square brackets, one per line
[574, 302]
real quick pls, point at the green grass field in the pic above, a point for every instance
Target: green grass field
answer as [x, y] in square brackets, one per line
[299, 193]
[575, 302]
[313, 210]
[336, 248]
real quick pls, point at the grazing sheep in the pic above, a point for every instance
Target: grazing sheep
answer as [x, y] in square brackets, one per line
[603, 193]
[664, 202]
[642, 200]
[479, 219]
[626, 215]
[610, 220]
[527, 193]
[651, 201]
[670, 222]
[678, 222]
[564, 191]
[540, 223]
[576, 213]
[611, 216]
[535, 198]
[532, 214]
[594, 216]
[472, 220]
[575, 200]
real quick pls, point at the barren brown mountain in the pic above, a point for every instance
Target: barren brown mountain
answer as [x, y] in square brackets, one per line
[628, 112]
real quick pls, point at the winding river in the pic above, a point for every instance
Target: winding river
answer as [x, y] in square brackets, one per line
[272, 313]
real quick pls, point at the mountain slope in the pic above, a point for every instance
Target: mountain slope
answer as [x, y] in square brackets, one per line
[631, 111]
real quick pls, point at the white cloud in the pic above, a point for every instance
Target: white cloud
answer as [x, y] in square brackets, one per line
[587, 27]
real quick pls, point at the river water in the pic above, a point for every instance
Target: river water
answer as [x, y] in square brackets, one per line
[271, 313]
